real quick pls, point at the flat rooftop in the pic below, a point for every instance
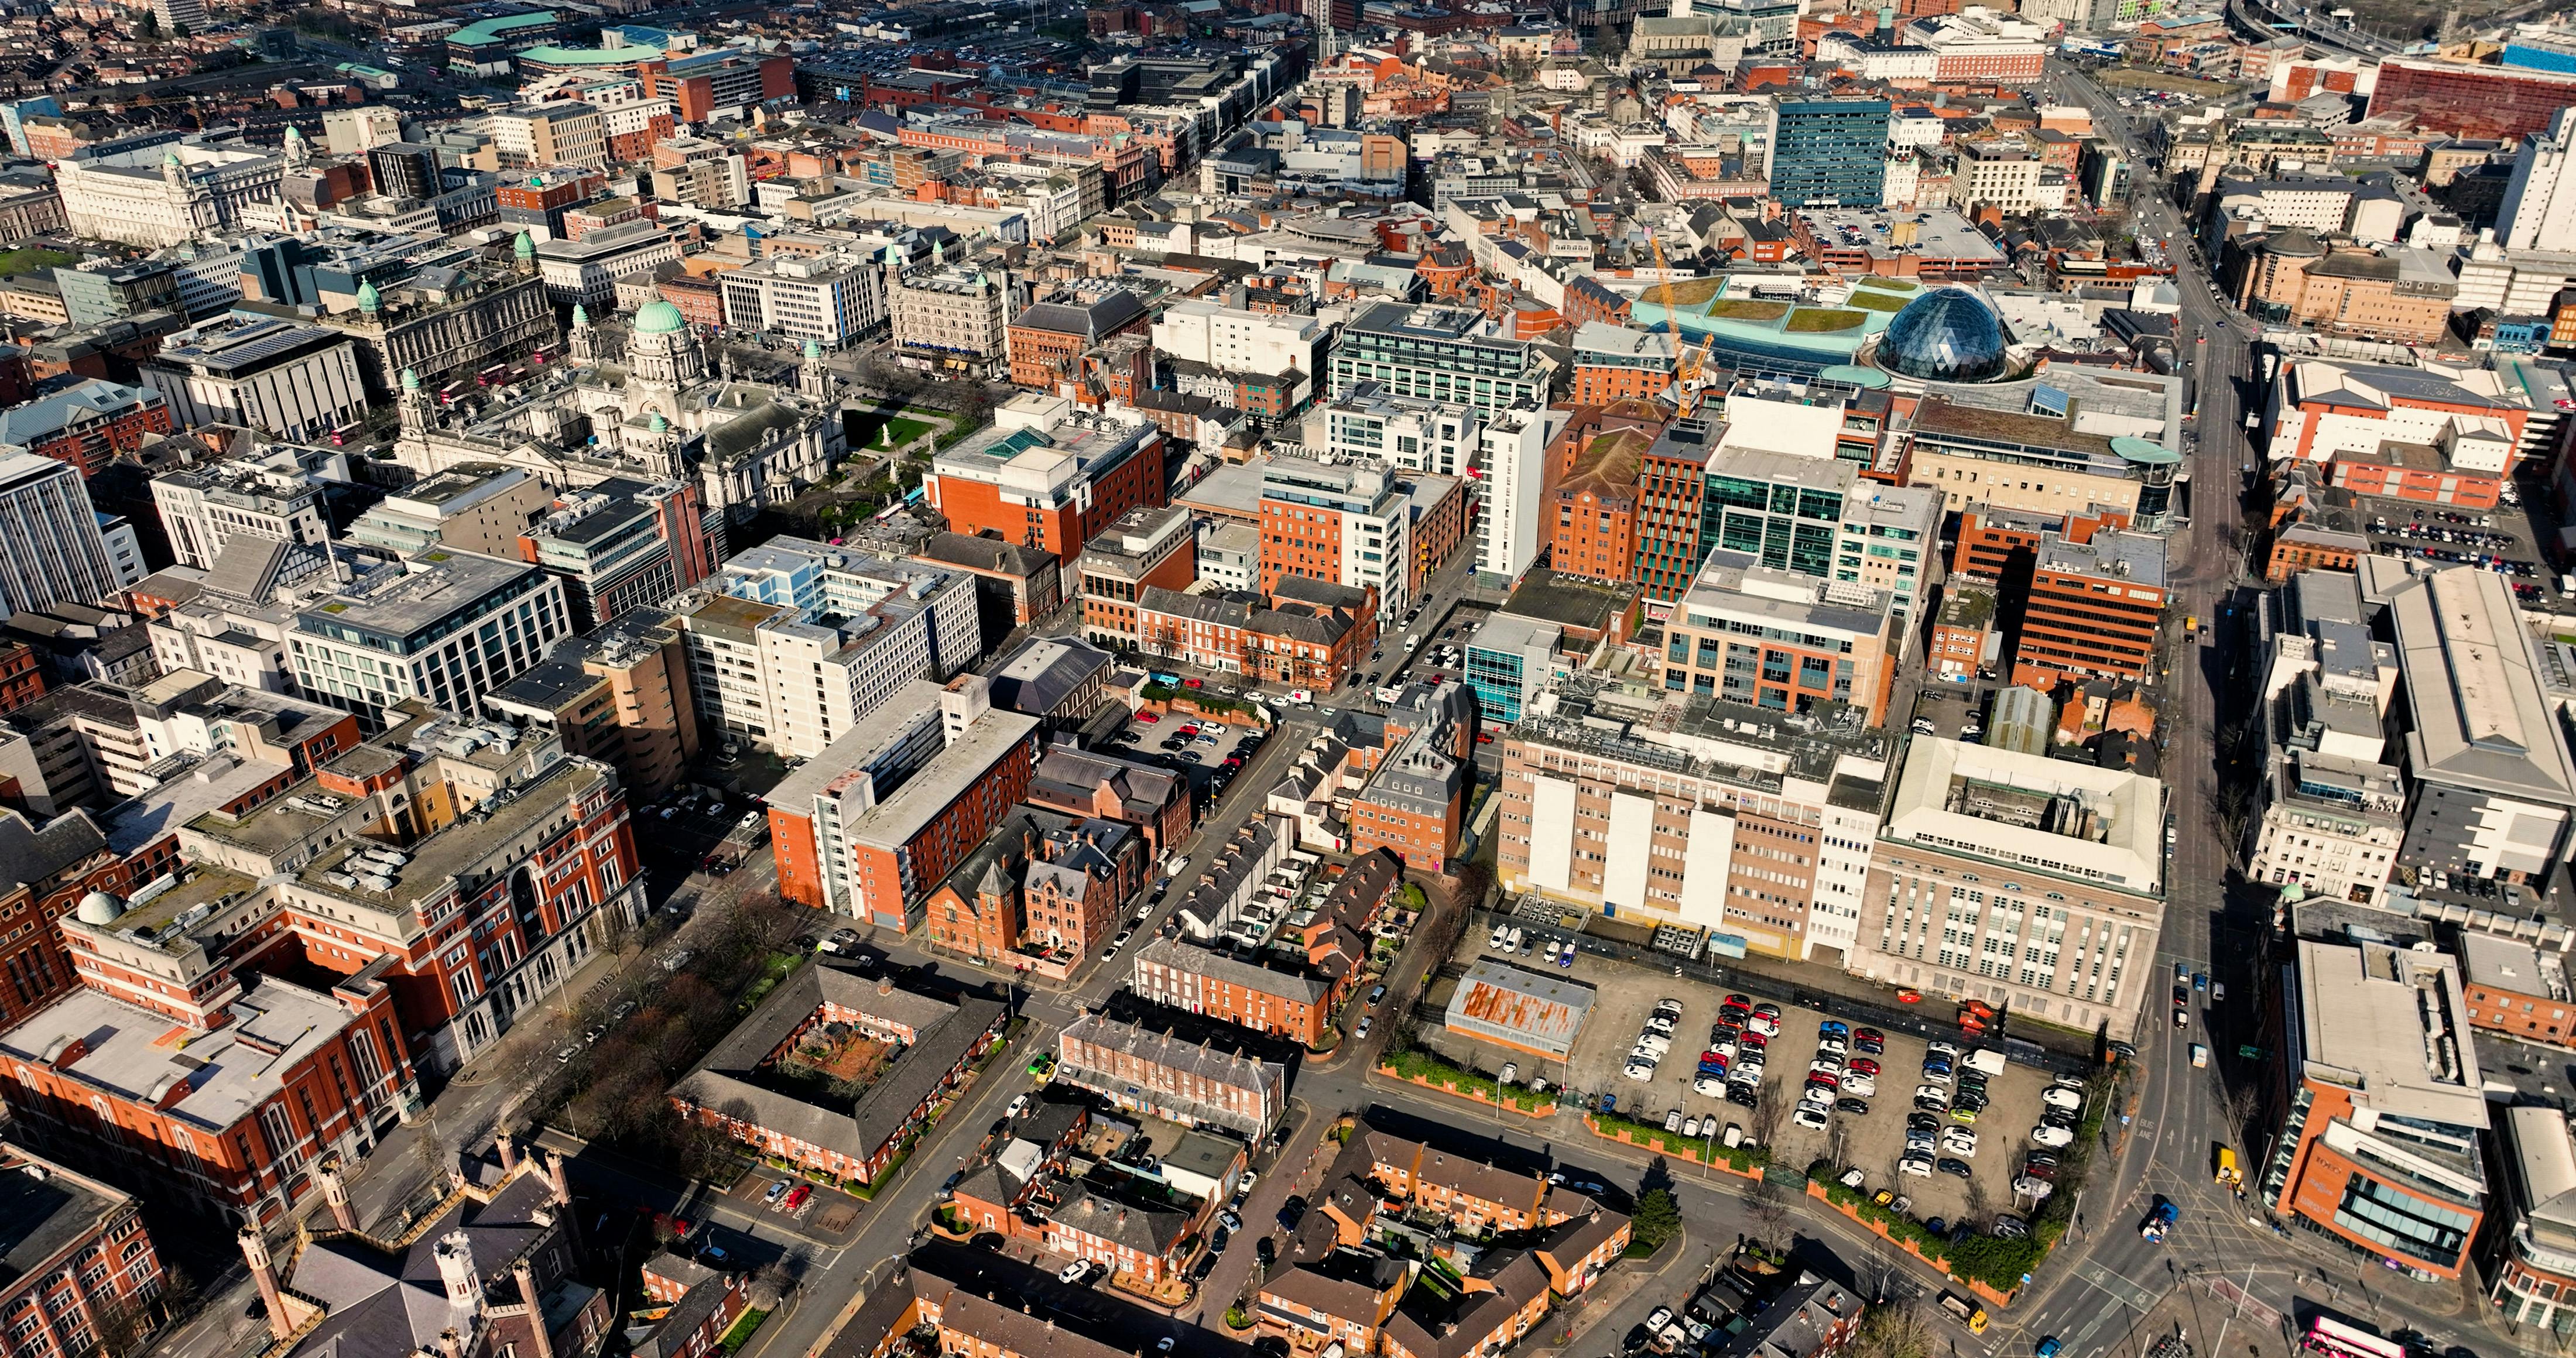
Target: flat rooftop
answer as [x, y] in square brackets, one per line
[2393, 1024]
[147, 1058]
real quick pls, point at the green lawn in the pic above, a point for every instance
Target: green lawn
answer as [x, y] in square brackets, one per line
[1821, 320]
[1870, 299]
[743, 1329]
[900, 431]
[33, 260]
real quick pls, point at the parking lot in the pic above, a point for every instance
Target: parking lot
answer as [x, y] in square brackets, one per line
[1196, 747]
[1626, 994]
[2498, 539]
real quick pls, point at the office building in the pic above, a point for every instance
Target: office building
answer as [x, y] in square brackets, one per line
[2491, 786]
[1047, 476]
[442, 631]
[2038, 463]
[2063, 902]
[1829, 152]
[2530, 1256]
[104, 292]
[2084, 610]
[619, 695]
[558, 134]
[1782, 641]
[584, 272]
[1510, 522]
[2379, 1146]
[950, 318]
[1616, 363]
[1235, 340]
[621, 544]
[297, 382]
[1417, 435]
[154, 193]
[480, 507]
[1048, 339]
[794, 645]
[1145, 549]
[2539, 211]
[830, 300]
[83, 1268]
[2471, 100]
[405, 170]
[1439, 353]
[1414, 804]
[1509, 660]
[204, 508]
[1345, 523]
[51, 549]
[1724, 822]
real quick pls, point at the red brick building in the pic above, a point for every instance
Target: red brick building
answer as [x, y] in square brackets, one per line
[44, 873]
[1592, 524]
[1150, 548]
[914, 832]
[1049, 477]
[1048, 340]
[1042, 882]
[86, 425]
[1294, 1004]
[83, 1271]
[21, 681]
[2414, 471]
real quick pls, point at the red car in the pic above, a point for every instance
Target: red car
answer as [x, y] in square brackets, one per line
[1865, 1066]
[1752, 1042]
[1192, 683]
[1484, 737]
[796, 1197]
[1149, 718]
[1909, 997]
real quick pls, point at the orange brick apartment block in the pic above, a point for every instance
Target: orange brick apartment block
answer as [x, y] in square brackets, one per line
[1593, 531]
[1615, 363]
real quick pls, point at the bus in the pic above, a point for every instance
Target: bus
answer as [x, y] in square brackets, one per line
[2344, 1341]
[489, 376]
[447, 394]
[346, 434]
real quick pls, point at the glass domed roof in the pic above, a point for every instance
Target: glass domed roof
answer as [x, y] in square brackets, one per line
[1945, 335]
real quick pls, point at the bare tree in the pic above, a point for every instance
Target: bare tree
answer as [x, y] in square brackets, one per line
[1896, 1330]
[1764, 1120]
[1769, 1218]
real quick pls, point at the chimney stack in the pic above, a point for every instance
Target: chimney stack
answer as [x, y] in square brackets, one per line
[450, 1344]
[555, 1176]
[536, 1311]
[508, 1145]
[264, 1272]
[335, 1191]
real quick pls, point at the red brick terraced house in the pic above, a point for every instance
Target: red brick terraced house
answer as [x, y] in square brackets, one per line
[822, 1014]
[1346, 1298]
[1294, 1004]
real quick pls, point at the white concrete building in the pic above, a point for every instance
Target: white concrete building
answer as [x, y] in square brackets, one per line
[1374, 528]
[2539, 210]
[51, 550]
[168, 192]
[832, 299]
[1514, 448]
[283, 377]
[1417, 435]
[1235, 341]
[795, 645]
[446, 631]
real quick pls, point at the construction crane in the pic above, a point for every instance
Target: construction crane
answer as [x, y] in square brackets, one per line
[1686, 365]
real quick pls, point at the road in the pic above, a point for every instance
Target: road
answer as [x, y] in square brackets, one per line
[2107, 1278]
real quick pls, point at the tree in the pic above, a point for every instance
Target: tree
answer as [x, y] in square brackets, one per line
[1658, 1217]
[151, 26]
[1895, 1330]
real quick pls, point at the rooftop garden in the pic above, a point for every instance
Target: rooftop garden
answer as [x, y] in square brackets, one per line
[1823, 320]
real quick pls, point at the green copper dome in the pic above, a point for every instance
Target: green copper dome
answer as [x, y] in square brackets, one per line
[658, 317]
[525, 247]
[368, 299]
[657, 424]
[580, 314]
[411, 379]
[813, 350]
